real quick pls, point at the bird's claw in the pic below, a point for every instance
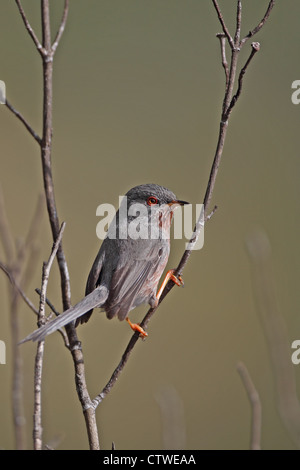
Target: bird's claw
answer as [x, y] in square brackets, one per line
[137, 327]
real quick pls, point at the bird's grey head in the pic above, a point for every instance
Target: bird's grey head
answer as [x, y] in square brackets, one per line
[143, 208]
[150, 195]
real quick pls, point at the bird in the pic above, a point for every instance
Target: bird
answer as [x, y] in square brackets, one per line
[130, 261]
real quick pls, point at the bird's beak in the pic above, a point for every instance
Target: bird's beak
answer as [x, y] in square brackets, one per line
[177, 202]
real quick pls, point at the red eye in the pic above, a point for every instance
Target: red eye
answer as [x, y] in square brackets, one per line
[151, 201]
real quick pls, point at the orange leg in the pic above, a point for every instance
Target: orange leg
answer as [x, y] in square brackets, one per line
[170, 275]
[137, 327]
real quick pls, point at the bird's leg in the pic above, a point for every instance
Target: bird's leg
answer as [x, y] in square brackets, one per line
[137, 327]
[169, 276]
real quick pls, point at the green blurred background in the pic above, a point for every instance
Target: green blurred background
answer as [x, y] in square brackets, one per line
[137, 96]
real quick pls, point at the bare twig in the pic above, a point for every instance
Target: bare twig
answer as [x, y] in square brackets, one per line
[37, 413]
[237, 35]
[260, 24]
[47, 51]
[30, 30]
[15, 284]
[61, 27]
[209, 216]
[255, 47]
[255, 442]
[23, 120]
[221, 19]
[46, 272]
[50, 304]
[222, 39]
[75, 345]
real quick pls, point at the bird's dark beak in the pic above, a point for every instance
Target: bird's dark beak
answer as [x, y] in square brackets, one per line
[177, 201]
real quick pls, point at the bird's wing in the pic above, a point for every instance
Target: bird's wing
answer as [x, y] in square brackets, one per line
[95, 272]
[135, 279]
[95, 299]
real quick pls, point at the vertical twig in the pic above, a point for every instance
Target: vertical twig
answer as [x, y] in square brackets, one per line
[37, 411]
[46, 147]
[237, 35]
[47, 51]
[29, 28]
[255, 441]
[61, 27]
[222, 39]
[75, 346]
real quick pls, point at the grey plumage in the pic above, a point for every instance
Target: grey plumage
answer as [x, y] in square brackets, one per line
[127, 270]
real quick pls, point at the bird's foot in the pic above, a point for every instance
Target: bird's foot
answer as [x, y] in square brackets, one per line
[137, 327]
[170, 276]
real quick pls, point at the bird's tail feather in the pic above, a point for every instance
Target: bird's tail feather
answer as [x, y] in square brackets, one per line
[95, 299]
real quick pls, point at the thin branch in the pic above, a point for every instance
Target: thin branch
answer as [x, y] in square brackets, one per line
[47, 269]
[46, 50]
[222, 39]
[255, 442]
[260, 24]
[37, 406]
[46, 29]
[224, 27]
[237, 35]
[50, 304]
[23, 120]
[30, 30]
[209, 216]
[255, 47]
[15, 284]
[61, 27]
[46, 146]
[37, 413]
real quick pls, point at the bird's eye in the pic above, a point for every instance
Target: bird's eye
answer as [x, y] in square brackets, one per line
[151, 201]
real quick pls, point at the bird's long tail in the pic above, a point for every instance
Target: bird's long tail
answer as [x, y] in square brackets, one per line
[95, 299]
